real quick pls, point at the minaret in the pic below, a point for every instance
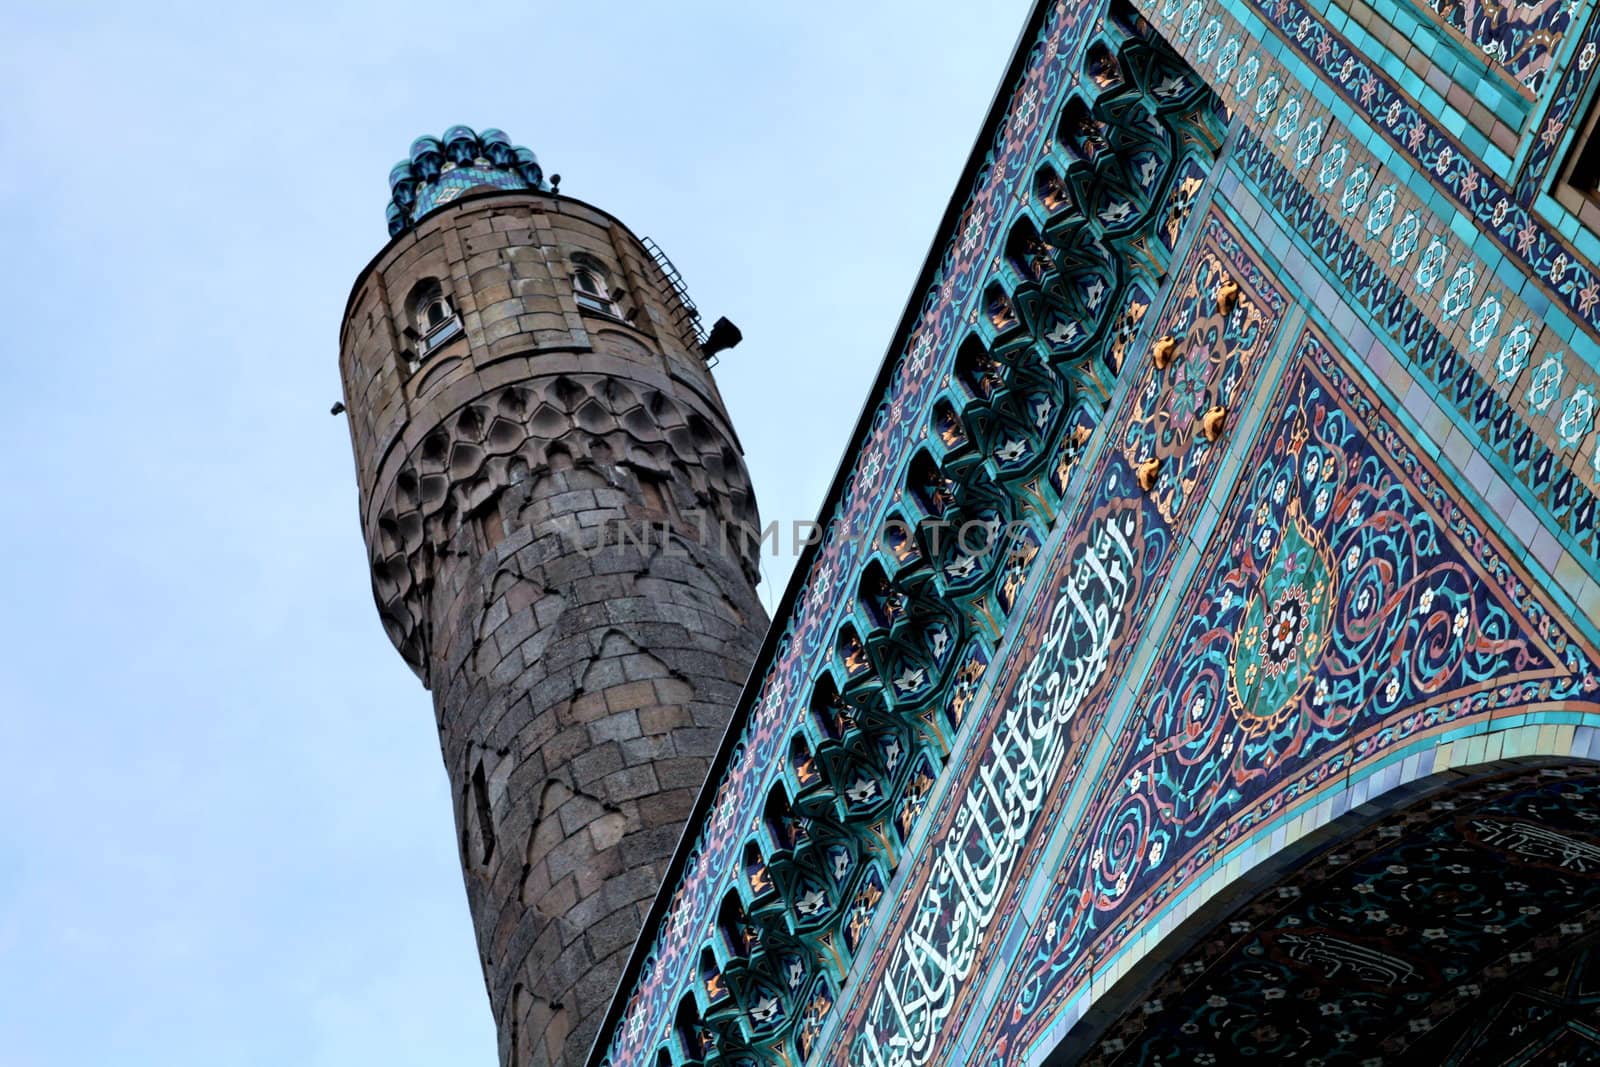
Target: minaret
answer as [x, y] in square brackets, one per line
[546, 471]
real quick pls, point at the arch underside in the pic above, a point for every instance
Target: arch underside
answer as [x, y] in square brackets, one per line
[1462, 928]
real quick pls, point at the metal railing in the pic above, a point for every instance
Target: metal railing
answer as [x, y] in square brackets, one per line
[689, 321]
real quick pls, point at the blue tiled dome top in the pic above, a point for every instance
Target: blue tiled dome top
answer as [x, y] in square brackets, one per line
[442, 168]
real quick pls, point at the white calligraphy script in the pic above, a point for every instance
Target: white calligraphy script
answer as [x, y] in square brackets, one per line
[974, 864]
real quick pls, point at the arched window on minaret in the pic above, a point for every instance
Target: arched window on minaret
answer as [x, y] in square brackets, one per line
[479, 828]
[591, 286]
[433, 317]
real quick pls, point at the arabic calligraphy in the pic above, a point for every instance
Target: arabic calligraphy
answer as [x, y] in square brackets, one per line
[1001, 804]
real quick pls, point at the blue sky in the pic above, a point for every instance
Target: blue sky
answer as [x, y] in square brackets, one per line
[225, 835]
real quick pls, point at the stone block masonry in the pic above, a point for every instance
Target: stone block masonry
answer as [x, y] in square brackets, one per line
[581, 685]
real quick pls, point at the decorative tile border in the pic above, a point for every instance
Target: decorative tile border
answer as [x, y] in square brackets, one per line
[1471, 187]
[1480, 401]
[1460, 295]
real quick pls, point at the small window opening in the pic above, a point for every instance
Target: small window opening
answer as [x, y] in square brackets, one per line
[589, 288]
[480, 797]
[433, 317]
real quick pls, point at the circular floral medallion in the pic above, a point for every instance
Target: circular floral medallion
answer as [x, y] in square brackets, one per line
[1285, 625]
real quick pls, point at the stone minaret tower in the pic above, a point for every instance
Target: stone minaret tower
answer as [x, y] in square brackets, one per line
[525, 381]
